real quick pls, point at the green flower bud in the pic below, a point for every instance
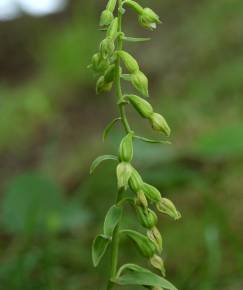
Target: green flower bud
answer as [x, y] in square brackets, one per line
[143, 107]
[140, 82]
[106, 18]
[147, 217]
[141, 199]
[151, 192]
[159, 124]
[135, 181]
[129, 61]
[157, 262]
[126, 148]
[145, 246]
[112, 30]
[107, 47]
[111, 5]
[155, 236]
[102, 86]
[135, 6]
[109, 74]
[98, 64]
[166, 206]
[123, 172]
[149, 19]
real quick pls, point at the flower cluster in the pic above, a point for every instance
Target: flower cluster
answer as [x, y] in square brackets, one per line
[109, 64]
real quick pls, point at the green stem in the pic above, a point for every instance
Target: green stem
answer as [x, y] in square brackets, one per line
[115, 236]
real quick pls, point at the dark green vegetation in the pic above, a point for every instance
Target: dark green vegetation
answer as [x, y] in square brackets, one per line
[50, 215]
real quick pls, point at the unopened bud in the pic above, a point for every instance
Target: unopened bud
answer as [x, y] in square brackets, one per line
[141, 199]
[109, 74]
[135, 181]
[106, 18]
[149, 19]
[155, 236]
[107, 47]
[126, 148]
[113, 28]
[111, 5]
[167, 206]
[143, 107]
[157, 262]
[98, 64]
[151, 192]
[140, 82]
[159, 124]
[129, 61]
[147, 217]
[123, 171]
[102, 86]
[135, 6]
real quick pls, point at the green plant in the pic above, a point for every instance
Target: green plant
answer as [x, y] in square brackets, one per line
[108, 64]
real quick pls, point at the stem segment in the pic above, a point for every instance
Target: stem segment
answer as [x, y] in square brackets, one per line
[115, 237]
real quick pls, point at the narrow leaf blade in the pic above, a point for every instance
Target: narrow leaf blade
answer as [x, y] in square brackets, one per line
[136, 275]
[135, 39]
[112, 218]
[152, 140]
[100, 159]
[99, 248]
[109, 127]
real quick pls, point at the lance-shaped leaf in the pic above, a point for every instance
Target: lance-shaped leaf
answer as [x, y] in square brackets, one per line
[144, 139]
[99, 247]
[100, 159]
[109, 127]
[112, 218]
[131, 274]
[135, 39]
[145, 246]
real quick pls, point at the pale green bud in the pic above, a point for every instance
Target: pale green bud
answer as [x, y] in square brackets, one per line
[135, 6]
[147, 217]
[109, 74]
[103, 86]
[159, 124]
[99, 64]
[151, 192]
[126, 148]
[129, 61]
[123, 172]
[113, 28]
[111, 5]
[107, 47]
[149, 19]
[106, 18]
[141, 199]
[157, 262]
[140, 82]
[145, 246]
[166, 206]
[135, 181]
[143, 107]
[155, 236]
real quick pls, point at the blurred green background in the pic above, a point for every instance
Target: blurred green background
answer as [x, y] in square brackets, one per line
[50, 131]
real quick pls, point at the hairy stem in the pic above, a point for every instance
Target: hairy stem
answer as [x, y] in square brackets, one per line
[115, 237]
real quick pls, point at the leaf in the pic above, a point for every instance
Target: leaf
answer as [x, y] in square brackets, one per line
[112, 218]
[137, 275]
[135, 39]
[100, 159]
[109, 127]
[152, 140]
[99, 248]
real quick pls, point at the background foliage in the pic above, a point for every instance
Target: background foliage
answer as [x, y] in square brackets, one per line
[50, 130]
